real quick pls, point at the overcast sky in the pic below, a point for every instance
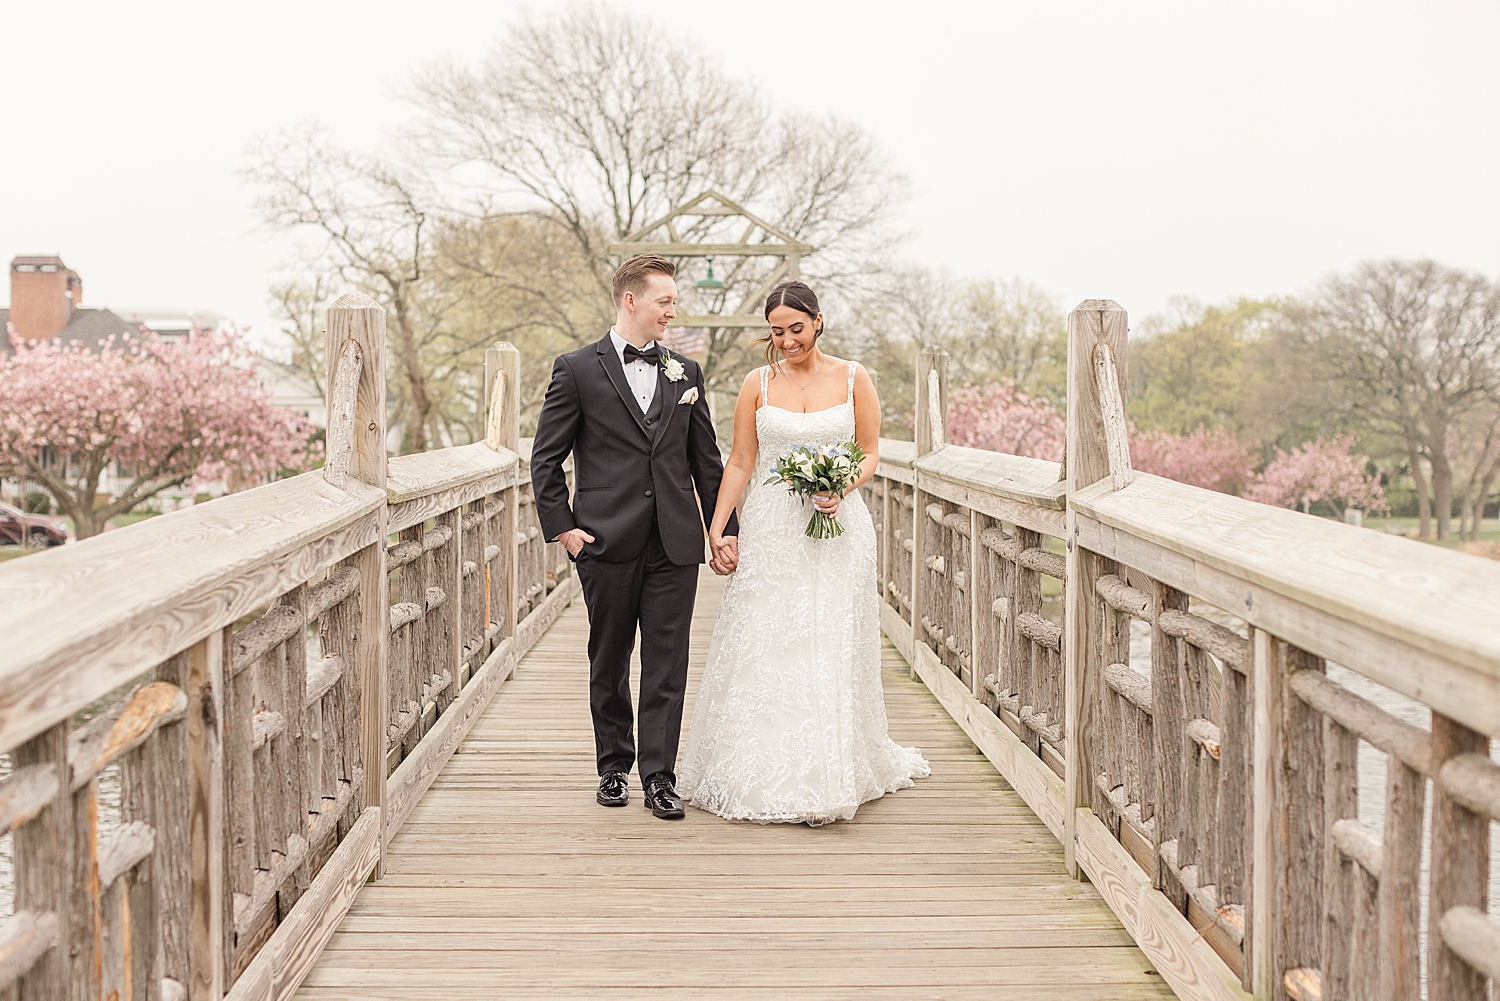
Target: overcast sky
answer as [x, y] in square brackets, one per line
[1134, 151]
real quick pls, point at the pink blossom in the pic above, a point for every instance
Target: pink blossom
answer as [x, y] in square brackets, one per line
[1320, 472]
[167, 413]
[1001, 418]
[1211, 458]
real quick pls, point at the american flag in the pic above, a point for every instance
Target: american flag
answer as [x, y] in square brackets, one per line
[687, 340]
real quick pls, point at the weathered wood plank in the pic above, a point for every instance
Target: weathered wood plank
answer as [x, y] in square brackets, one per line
[1265, 840]
[1400, 897]
[416, 773]
[287, 957]
[472, 470]
[1299, 821]
[209, 928]
[1179, 953]
[1460, 868]
[374, 641]
[43, 854]
[1340, 808]
[1028, 481]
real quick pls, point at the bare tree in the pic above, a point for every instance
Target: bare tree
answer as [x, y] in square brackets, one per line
[373, 217]
[596, 119]
[599, 122]
[1478, 463]
[1414, 348]
[520, 279]
[914, 306]
[298, 304]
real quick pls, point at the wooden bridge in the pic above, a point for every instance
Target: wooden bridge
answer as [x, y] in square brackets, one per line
[346, 716]
[507, 879]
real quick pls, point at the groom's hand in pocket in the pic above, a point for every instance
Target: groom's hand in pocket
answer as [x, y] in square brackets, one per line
[574, 539]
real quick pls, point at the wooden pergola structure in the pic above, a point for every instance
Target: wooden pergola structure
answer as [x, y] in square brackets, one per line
[759, 239]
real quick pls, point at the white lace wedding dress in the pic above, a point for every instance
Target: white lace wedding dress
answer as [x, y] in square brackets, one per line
[789, 724]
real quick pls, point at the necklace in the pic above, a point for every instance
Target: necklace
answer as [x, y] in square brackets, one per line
[800, 387]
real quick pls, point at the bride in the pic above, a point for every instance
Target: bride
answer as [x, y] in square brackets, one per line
[789, 725]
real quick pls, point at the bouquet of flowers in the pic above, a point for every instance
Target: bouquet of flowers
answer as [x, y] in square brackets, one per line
[817, 469]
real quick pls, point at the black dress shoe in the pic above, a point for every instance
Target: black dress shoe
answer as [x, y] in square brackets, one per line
[614, 789]
[663, 800]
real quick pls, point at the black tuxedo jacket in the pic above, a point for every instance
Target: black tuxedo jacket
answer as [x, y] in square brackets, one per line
[626, 472]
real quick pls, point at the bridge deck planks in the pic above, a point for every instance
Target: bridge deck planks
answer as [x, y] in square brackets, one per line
[508, 881]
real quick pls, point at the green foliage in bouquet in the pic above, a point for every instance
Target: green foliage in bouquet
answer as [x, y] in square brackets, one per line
[820, 469]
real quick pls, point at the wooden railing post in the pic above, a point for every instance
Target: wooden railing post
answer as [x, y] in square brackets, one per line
[1095, 322]
[931, 424]
[930, 427]
[43, 853]
[211, 906]
[1260, 923]
[355, 316]
[1460, 864]
[502, 382]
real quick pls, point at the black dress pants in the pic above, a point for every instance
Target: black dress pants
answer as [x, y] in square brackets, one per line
[657, 595]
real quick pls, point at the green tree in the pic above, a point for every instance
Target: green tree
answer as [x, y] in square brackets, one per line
[1010, 331]
[1195, 372]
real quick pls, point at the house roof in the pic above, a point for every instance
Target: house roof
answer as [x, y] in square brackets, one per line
[91, 326]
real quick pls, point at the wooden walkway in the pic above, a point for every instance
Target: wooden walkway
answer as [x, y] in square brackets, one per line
[508, 881]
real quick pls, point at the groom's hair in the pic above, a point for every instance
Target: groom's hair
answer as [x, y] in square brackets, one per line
[634, 273]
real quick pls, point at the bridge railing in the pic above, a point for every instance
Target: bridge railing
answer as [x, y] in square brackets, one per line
[267, 683]
[1212, 796]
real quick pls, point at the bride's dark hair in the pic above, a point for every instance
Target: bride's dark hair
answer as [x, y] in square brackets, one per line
[799, 297]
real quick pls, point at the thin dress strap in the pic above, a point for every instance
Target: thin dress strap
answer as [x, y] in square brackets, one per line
[765, 370]
[853, 366]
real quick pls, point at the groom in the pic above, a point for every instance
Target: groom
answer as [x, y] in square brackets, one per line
[636, 420]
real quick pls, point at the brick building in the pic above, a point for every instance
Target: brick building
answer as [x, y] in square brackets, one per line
[46, 300]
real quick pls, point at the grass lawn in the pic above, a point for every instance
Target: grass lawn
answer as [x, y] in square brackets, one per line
[1489, 534]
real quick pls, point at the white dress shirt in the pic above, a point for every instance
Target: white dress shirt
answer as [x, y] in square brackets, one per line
[639, 372]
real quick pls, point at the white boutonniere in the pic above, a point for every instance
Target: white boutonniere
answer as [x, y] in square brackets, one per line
[691, 396]
[672, 367]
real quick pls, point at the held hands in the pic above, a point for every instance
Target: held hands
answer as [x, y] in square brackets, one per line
[726, 556]
[574, 539]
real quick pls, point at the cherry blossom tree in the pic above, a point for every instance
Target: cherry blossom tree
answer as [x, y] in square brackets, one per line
[1215, 459]
[166, 413]
[1000, 417]
[1321, 472]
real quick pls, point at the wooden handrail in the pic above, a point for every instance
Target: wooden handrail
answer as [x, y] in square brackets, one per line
[1416, 618]
[1225, 776]
[81, 620]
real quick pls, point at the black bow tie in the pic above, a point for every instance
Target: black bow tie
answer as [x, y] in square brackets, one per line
[651, 354]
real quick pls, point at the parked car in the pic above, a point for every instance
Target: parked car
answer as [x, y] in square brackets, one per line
[36, 530]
